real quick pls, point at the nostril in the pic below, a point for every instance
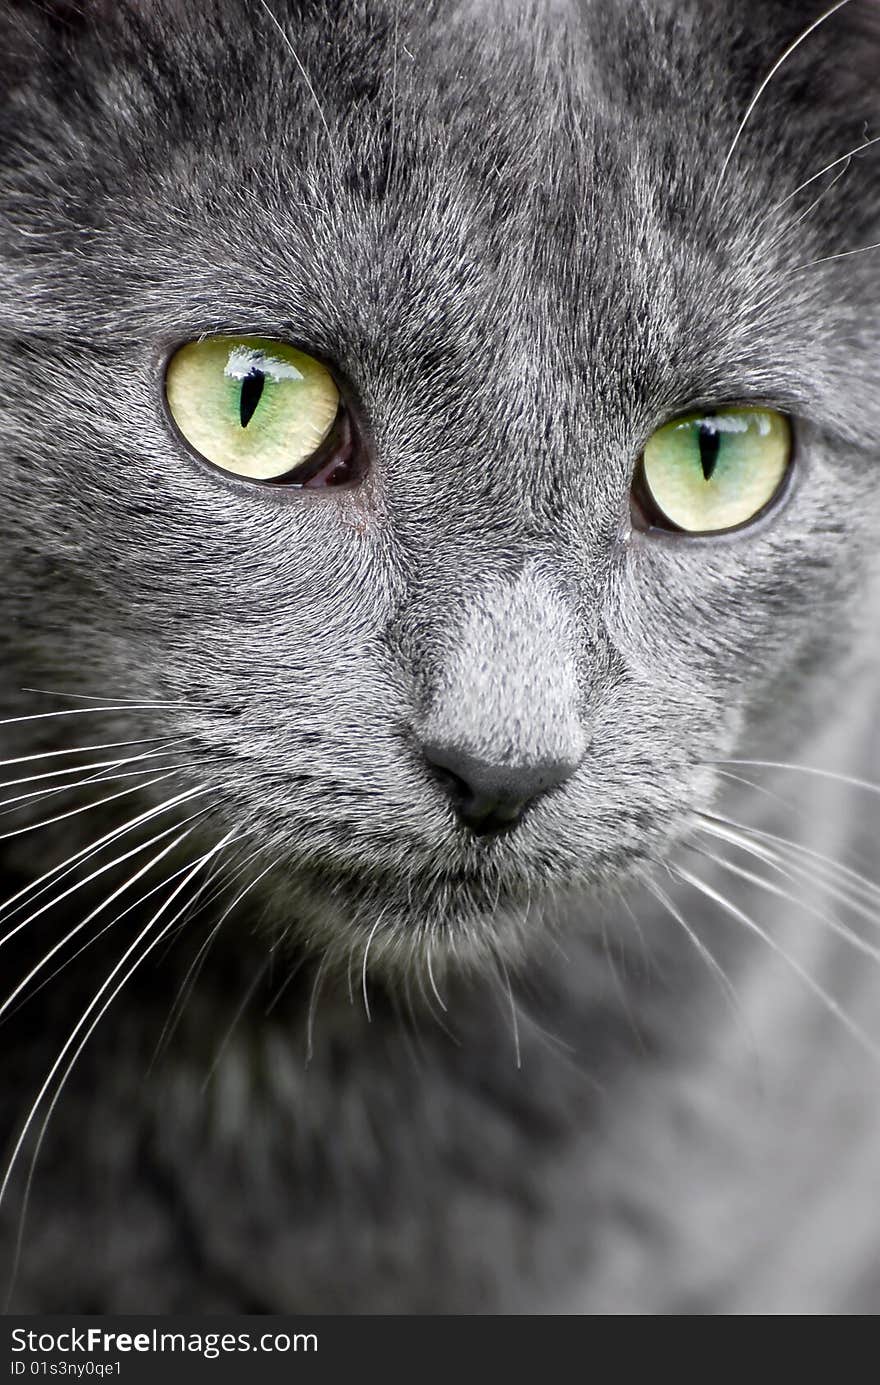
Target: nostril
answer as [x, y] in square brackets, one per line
[451, 783]
[489, 816]
[490, 798]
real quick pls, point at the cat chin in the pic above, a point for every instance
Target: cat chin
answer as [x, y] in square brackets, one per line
[393, 929]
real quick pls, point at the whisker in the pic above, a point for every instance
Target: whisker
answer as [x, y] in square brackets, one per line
[95, 765]
[409, 1027]
[373, 931]
[440, 1001]
[703, 951]
[831, 1005]
[835, 924]
[84, 808]
[429, 1006]
[792, 47]
[792, 225]
[849, 780]
[194, 969]
[394, 112]
[841, 255]
[799, 808]
[77, 928]
[288, 980]
[753, 837]
[313, 1005]
[857, 149]
[750, 784]
[349, 970]
[614, 966]
[101, 870]
[90, 697]
[9, 806]
[99, 776]
[82, 750]
[37, 887]
[198, 905]
[71, 1039]
[249, 994]
[304, 74]
[91, 711]
[793, 870]
[514, 1019]
[90, 942]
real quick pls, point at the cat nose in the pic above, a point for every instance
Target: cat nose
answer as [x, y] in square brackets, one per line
[491, 798]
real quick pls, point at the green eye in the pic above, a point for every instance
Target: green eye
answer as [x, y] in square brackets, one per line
[253, 406]
[714, 471]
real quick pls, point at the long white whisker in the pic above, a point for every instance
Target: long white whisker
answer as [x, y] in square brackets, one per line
[117, 918]
[513, 1015]
[702, 950]
[101, 870]
[95, 765]
[750, 784]
[45, 881]
[866, 144]
[792, 47]
[818, 874]
[849, 780]
[192, 972]
[91, 697]
[313, 1006]
[144, 775]
[848, 934]
[841, 255]
[428, 1002]
[77, 928]
[86, 807]
[801, 809]
[304, 74]
[83, 1020]
[809, 981]
[753, 837]
[96, 775]
[792, 225]
[90, 711]
[82, 750]
[439, 998]
[373, 931]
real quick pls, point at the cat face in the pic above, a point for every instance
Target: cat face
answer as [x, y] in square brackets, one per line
[478, 674]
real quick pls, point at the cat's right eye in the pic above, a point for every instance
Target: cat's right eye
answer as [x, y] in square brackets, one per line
[262, 410]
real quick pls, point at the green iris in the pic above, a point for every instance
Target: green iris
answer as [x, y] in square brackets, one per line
[715, 471]
[251, 405]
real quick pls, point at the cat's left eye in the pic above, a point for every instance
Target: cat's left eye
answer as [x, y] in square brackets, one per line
[262, 410]
[714, 471]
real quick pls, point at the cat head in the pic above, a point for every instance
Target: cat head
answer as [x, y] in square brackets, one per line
[471, 647]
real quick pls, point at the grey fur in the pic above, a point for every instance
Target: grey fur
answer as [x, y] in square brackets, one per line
[504, 224]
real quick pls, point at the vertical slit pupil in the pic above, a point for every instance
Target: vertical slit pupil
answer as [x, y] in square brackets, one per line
[251, 393]
[710, 446]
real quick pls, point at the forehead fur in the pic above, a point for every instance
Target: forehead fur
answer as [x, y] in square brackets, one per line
[433, 197]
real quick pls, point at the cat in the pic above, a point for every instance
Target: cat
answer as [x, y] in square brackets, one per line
[438, 532]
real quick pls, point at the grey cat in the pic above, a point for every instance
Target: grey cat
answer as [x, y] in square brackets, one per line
[437, 488]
